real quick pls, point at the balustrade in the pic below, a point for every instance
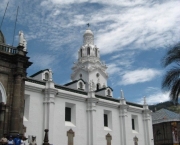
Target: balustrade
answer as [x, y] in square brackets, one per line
[8, 49]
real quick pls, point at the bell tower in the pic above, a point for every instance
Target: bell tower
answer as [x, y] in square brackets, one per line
[89, 67]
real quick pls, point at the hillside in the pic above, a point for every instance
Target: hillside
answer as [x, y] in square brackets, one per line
[166, 105]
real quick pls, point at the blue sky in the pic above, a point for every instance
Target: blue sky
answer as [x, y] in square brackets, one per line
[132, 35]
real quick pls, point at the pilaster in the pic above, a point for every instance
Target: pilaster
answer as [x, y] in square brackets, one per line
[147, 124]
[49, 102]
[123, 114]
[91, 118]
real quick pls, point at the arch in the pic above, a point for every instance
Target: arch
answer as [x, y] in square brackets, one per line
[98, 86]
[81, 53]
[80, 85]
[96, 52]
[46, 76]
[108, 92]
[2, 93]
[80, 75]
[88, 51]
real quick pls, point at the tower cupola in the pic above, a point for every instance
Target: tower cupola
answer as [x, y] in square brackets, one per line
[88, 37]
[89, 67]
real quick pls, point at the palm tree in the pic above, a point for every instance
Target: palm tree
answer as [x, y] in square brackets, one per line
[171, 80]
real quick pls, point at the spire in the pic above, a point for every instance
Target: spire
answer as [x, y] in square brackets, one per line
[145, 100]
[122, 100]
[122, 94]
[145, 105]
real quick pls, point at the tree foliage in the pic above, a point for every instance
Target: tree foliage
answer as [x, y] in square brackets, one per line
[171, 80]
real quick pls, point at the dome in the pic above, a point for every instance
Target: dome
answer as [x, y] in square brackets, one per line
[88, 31]
[2, 40]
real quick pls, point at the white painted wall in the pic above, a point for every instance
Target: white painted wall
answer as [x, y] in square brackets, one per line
[34, 122]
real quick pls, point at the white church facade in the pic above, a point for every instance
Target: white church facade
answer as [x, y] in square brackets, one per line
[84, 111]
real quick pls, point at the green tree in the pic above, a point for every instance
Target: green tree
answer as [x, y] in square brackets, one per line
[171, 80]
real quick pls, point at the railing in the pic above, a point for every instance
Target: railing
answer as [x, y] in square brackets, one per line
[8, 49]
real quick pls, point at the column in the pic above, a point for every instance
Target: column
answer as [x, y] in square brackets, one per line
[16, 107]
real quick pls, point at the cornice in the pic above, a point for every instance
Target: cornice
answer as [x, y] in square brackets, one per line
[107, 104]
[33, 88]
[135, 110]
[71, 97]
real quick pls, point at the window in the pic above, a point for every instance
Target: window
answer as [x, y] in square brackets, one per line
[81, 85]
[108, 120]
[97, 75]
[81, 52]
[68, 114]
[88, 51]
[108, 92]
[96, 52]
[133, 125]
[134, 121]
[46, 76]
[105, 120]
[80, 75]
[98, 86]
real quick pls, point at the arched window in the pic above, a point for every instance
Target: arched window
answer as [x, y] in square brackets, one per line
[88, 51]
[81, 52]
[46, 76]
[108, 92]
[80, 85]
[98, 86]
[96, 52]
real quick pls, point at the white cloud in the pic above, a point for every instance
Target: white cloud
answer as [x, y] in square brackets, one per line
[140, 24]
[113, 69]
[155, 98]
[139, 76]
[43, 61]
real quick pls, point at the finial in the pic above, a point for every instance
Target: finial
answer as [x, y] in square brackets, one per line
[50, 75]
[122, 94]
[144, 100]
[46, 140]
[88, 25]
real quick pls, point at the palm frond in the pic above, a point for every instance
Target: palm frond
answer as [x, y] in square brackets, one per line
[173, 55]
[175, 91]
[170, 78]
